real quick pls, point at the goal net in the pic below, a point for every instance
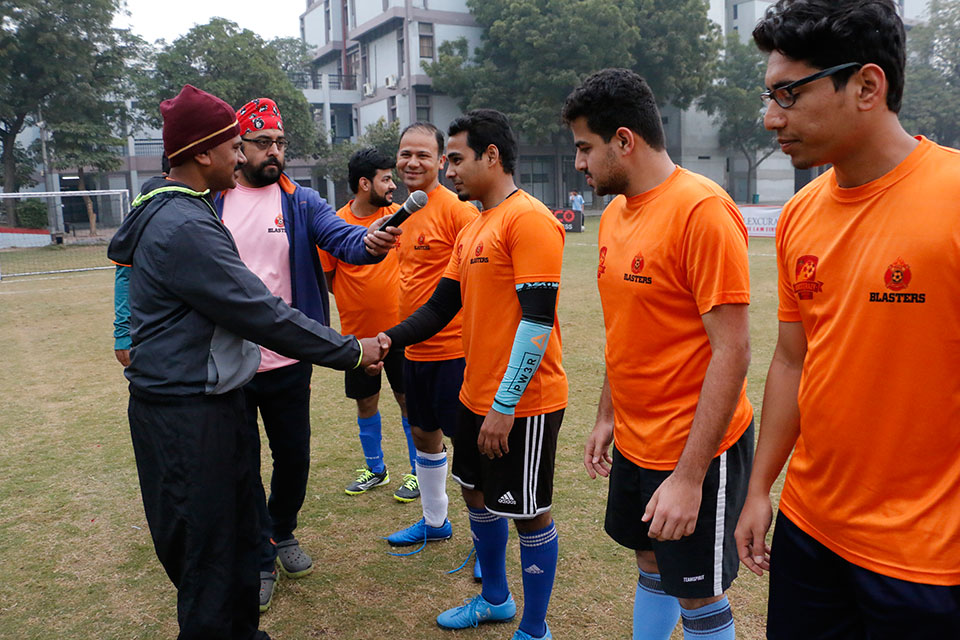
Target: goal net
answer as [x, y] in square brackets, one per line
[59, 231]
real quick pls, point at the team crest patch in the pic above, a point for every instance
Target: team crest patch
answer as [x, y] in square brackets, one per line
[278, 220]
[806, 283]
[637, 265]
[479, 259]
[421, 244]
[897, 277]
[603, 258]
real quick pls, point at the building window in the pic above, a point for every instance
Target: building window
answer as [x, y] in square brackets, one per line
[423, 108]
[426, 40]
[353, 68]
[401, 51]
[735, 12]
[365, 62]
[537, 177]
[352, 13]
[391, 108]
[386, 4]
[328, 25]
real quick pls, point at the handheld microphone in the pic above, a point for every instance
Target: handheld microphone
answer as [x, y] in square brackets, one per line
[416, 201]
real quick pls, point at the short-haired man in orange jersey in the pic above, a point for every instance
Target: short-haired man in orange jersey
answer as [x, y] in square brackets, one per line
[433, 371]
[514, 387]
[864, 387]
[672, 270]
[368, 298]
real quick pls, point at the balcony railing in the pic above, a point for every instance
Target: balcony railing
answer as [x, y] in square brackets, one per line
[148, 147]
[303, 80]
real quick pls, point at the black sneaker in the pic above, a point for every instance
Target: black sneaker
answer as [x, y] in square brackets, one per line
[367, 480]
[409, 489]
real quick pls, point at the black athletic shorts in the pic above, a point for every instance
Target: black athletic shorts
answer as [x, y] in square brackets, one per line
[358, 385]
[703, 564]
[520, 484]
[433, 393]
[814, 593]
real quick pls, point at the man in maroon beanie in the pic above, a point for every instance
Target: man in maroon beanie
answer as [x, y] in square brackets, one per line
[195, 313]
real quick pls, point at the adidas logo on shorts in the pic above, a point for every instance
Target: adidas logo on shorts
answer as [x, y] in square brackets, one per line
[534, 569]
[507, 498]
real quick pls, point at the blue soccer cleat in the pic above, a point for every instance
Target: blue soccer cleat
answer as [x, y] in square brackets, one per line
[419, 533]
[477, 611]
[523, 635]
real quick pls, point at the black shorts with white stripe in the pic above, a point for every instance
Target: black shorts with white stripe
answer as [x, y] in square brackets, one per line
[701, 565]
[520, 484]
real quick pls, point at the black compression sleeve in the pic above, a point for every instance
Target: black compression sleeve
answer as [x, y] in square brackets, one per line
[538, 302]
[429, 319]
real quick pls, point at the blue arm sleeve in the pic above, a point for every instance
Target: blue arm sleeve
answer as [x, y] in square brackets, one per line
[121, 309]
[538, 301]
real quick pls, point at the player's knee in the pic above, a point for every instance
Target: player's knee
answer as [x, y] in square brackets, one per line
[367, 407]
[647, 562]
[536, 523]
[427, 441]
[696, 603]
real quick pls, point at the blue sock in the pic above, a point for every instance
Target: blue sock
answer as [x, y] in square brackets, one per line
[711, 622]
[370, 442]
[490, 537]
[411, 448]
[655, 614]
[538, 557]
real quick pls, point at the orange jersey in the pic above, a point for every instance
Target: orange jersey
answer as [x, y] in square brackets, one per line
[424, 250]
[368, 295]
[873, 273]
[516, 242]
[667, 256]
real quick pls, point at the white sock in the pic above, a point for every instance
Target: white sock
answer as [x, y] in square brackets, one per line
[432, 478]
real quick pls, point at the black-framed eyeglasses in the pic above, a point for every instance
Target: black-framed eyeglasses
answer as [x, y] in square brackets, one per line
[265, 143]
[784, 95]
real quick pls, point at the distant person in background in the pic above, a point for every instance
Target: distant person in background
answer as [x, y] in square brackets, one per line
[193, 307]
[368, 301]
[277, 226]
[576, 201]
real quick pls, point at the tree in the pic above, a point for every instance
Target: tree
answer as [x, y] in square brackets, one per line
[734, 101]
[332, 162]
[25, 162]
[292, 54]
[89, 140]
[534, 52]
[931, 100]
[53, 54]
[235, 65]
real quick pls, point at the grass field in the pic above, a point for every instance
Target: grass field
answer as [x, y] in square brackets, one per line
[76, 560]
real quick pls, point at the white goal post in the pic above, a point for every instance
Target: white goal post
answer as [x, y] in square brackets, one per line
[49, 241]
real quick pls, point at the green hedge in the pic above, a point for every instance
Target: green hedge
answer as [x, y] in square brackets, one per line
[32, 214]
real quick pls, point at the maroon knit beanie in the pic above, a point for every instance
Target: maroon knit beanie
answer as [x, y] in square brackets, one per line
[194, 122]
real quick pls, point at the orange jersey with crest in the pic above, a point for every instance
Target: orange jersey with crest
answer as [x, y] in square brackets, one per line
[873, 274]
[667, 256]
[367, 295]
[516, 242]
[424, 249]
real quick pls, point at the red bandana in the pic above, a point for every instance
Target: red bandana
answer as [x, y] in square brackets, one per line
[258, 114]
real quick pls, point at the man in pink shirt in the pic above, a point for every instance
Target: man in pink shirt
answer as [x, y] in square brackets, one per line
[277, 226]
